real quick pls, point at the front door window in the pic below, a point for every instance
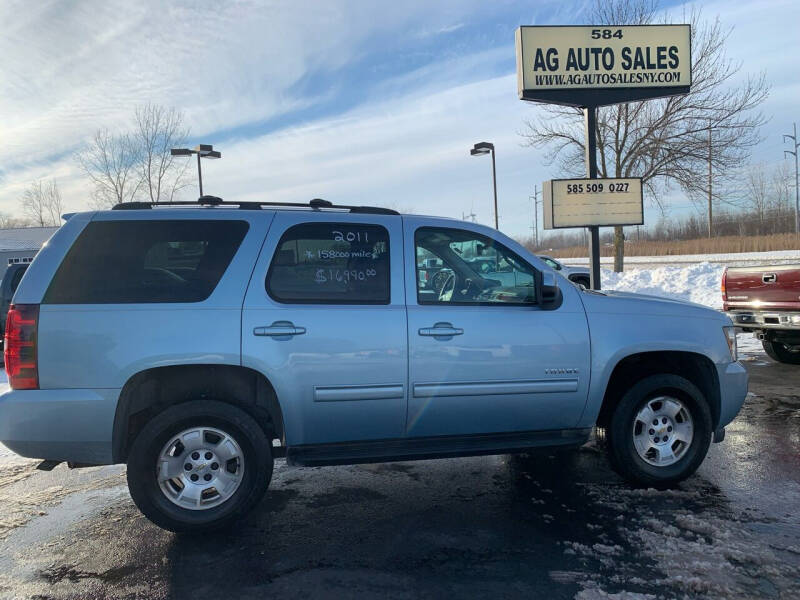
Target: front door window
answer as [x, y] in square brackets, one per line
[455, 266]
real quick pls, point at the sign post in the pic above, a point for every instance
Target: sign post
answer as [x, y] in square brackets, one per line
[590, 124]
[597, 65]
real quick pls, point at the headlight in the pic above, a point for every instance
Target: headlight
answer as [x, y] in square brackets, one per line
[730, 336]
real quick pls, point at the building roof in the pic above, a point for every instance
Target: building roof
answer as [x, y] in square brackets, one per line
[25, 239]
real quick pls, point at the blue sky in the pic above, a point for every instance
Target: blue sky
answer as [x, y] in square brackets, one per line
[357, 102]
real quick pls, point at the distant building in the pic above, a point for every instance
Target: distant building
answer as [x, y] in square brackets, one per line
[21, 245]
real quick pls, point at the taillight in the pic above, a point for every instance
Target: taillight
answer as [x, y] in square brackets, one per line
[724, 284]
[20, 346]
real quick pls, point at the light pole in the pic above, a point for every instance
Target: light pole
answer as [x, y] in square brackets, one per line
[796, 187]
[480, 149]
[535, 227]
[202, 151]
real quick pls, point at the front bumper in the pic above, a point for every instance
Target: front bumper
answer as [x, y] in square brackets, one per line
[765, 319]
[733, 380]
[73, 425]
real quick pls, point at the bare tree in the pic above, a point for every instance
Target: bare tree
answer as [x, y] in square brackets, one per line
[42, 204]
[783, 182]
[664, 141]
[9, 222]
[159, 129]
[758, 192]
[111, 161]
[137, 164]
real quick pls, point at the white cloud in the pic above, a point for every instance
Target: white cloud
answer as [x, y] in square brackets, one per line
[69, 68]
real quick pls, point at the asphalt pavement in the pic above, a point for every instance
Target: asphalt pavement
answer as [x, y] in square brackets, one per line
[538, 526]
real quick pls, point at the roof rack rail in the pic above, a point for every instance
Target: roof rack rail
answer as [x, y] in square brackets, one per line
[315, 204]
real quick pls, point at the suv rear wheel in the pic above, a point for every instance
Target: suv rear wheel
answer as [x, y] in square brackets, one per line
[782, 352]
[199, 465]
[660, 431]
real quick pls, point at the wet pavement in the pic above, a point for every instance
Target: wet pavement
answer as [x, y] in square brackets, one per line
[544, 525]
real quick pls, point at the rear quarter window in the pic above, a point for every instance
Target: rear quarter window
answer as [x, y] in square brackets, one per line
[123, 262]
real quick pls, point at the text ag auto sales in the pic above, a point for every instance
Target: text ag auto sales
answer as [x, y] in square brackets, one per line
[595, 59]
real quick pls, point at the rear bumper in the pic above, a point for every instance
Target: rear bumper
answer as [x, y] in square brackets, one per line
[765, 319]
[733, 382]
[66, 424]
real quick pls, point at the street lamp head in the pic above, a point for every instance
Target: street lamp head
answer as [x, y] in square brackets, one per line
[481, 148]
[207, 151]
[202, 151]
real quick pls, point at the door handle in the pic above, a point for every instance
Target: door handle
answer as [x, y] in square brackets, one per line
[279, 329]
[441, 330]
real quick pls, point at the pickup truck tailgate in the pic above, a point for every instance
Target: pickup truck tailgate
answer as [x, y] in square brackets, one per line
[770, 287]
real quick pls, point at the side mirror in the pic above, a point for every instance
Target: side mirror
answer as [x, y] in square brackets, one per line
[550, 296]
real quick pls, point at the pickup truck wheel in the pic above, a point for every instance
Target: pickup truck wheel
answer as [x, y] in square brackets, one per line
[199, 465]
[782, 352]
[660, 431]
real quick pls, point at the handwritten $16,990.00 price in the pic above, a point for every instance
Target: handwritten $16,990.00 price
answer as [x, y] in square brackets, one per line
[325, 275]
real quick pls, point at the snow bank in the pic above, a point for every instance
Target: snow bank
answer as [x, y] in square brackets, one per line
[698, 283]
[734, 258]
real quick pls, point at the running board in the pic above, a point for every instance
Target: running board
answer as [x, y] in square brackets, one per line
[432, 447]
[48, 465]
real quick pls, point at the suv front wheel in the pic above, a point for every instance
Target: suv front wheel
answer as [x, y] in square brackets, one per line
[199, 465]
[660, 431]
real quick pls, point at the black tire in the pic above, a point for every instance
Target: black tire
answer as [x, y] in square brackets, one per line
[142, 460]
[619, 434]
[789, 355]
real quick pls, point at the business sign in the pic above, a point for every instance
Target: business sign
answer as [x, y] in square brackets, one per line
[586, 202]
[596, 65]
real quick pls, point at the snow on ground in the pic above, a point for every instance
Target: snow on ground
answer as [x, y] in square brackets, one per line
[701, 546]
[732, 259]
[5, 453]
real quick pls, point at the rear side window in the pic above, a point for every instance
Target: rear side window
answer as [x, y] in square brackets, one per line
[331, 263]
[121, 262]
[16, 279]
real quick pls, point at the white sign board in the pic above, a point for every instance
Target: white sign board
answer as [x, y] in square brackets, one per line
[594, 57]
[585, 202]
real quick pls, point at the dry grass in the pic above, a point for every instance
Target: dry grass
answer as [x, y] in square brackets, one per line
[718, 245]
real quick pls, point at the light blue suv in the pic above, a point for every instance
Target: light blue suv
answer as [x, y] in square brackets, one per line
[198, 343]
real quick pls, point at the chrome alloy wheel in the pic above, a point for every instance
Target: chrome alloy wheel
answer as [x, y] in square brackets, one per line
[200, 468]
[662, 431]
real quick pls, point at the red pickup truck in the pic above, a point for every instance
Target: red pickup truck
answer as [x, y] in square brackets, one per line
[766, 301]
